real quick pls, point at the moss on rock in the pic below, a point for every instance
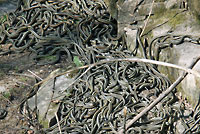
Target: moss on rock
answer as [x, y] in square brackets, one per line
[194, 6]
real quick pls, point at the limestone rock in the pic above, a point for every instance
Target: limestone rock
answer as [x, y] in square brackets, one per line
[167, 18]
[194, 6]
[182, 54]
[2, 89]
[45, 95]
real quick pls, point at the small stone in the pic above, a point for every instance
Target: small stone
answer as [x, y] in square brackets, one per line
[46, 93]
[2, 89]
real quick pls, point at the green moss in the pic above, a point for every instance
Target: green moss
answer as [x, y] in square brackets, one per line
[178, 19]
[51, 113]
[171, 15]
[196, 19]
[50, 58]
[7, 94]
[47, 58]
[3, 18]
[23, 79]
[44, 123]
[194, 6]
[16, 68]
[11, 92]
[163, 16]
[14, 91]
[156, 19]
[2, 73]
[198, 82]
[159, 11]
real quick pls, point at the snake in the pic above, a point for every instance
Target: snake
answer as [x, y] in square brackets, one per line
[3, 113]
[96, 101]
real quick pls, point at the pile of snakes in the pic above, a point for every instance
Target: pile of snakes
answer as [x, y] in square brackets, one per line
[109, 95]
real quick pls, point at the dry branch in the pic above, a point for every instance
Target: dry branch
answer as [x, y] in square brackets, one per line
[188, 70]
[58, 123]
[156, 101]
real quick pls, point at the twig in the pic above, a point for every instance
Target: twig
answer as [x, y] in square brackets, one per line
[147, 18]
[137, 60]
[157, 100]
[123, 59]
[6, 98]
[18, 74]
[112, 127]
[19, 82]
[58, 123]
[124, 113]
[35, 74]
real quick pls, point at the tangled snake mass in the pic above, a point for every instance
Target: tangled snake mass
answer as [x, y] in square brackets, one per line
[108, 95]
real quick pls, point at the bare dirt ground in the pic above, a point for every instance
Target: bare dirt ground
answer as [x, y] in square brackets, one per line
[14, 78]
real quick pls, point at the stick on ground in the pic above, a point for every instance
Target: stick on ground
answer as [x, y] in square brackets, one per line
[156, 101]
[123, 59]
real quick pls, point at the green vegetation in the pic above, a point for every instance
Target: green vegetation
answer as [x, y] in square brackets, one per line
[1, 73]
[16, 68]
[77, 61]
[7, 95]
[68, 92]
[51, 113]
[24, 79]
[46, 58]
[50, 58]
[194, 6]
[3, 18]
[44, 123]
[159, 11]
[172, 17]
[178, 19]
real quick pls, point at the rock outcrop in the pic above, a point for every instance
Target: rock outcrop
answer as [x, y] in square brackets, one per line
[176, 18]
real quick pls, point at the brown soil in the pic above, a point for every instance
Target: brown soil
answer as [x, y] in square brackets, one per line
[13, 71]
